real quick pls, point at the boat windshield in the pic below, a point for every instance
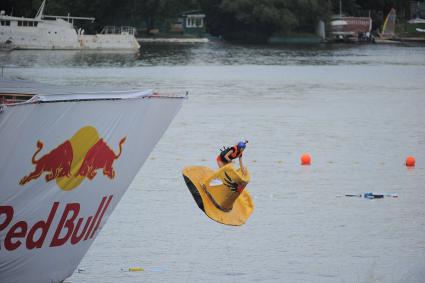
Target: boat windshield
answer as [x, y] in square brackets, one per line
[118, 30]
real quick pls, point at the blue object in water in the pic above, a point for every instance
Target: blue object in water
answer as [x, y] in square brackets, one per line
[368, 195]
[373, 196]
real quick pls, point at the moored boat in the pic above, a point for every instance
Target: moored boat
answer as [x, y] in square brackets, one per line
[58, 32]
[351, 29]
[68, 156]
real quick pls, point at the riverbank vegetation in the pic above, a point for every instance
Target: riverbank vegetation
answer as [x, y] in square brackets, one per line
[250, 20]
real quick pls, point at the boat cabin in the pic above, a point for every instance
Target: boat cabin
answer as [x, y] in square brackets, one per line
[351, 28]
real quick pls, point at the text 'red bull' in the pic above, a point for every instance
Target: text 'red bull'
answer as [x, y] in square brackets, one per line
[69, 229]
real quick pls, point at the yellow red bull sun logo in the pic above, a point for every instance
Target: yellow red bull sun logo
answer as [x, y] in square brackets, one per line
[75, 159]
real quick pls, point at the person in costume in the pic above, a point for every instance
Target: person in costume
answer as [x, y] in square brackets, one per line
[229, 153]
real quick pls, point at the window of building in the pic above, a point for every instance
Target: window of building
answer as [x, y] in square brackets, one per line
[194, 22]
[199, 22]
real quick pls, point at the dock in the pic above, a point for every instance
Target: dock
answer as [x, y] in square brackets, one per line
[171, 40]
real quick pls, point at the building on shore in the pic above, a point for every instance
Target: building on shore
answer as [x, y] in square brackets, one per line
[188, 26]
[193, 23]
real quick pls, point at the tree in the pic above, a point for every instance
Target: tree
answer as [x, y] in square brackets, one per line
[251, 20]
[236, 19]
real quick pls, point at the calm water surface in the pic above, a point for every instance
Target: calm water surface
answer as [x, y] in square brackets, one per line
[358, 110]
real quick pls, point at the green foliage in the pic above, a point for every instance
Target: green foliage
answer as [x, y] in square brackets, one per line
[421, 10]
[251, 20]
[235, 18]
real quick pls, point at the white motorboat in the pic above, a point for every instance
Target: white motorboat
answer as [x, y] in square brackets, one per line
[58, 32]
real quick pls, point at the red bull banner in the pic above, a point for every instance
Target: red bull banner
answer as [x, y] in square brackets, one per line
[66, 162]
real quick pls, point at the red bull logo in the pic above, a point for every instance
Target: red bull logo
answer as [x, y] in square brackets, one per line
[75, 159]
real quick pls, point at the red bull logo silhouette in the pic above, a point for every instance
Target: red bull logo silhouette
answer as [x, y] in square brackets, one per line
[57, 163]
[75, 159]
[100, 156]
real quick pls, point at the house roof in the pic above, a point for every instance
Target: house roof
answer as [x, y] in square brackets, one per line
[192, 12]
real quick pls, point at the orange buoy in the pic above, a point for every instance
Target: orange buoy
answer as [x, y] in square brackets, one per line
[305, 159]
[410, 161]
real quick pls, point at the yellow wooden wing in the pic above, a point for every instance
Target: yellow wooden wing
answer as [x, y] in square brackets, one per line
[220, 194]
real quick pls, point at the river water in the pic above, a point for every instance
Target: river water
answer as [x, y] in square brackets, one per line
[359, 110]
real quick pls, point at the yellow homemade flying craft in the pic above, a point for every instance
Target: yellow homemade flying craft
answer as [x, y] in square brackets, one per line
[221, 194]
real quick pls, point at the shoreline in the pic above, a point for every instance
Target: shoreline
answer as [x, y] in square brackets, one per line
[172, 40]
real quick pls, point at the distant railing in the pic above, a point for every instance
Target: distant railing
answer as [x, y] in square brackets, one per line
[118, 30]
[14, 98]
